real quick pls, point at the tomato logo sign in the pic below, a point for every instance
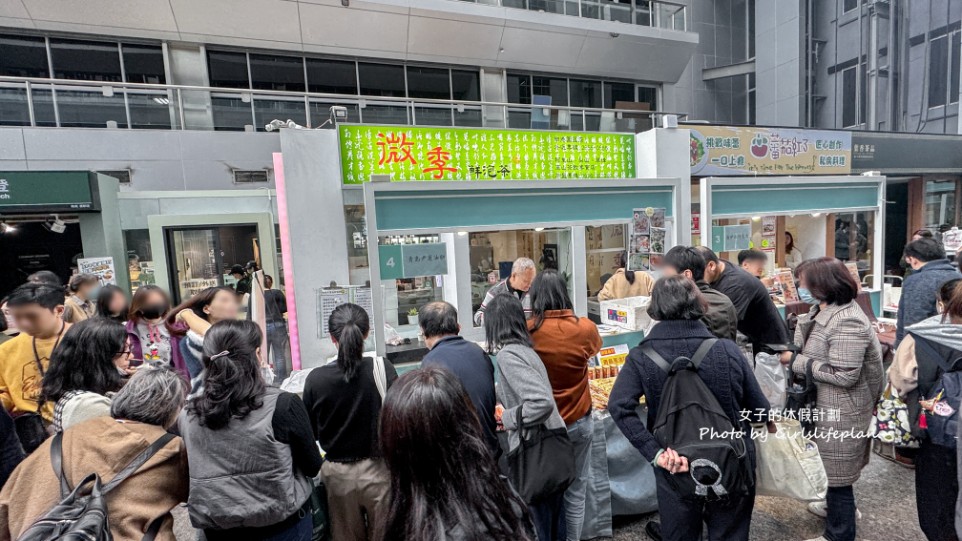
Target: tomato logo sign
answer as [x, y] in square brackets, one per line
[759, 146]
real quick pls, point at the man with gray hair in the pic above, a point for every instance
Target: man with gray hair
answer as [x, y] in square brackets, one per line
[522, 274]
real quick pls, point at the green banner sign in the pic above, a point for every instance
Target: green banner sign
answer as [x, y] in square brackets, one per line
[46, 191]
[412, 260]
[408, 153]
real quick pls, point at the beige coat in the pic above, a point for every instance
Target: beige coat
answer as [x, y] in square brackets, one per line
[617, 287]
[103, 446]
[847, 368]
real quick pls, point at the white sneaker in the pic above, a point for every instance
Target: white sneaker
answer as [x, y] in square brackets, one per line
[820, 509]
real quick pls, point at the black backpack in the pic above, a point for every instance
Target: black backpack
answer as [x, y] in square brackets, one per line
[82, 512]
[718, 461]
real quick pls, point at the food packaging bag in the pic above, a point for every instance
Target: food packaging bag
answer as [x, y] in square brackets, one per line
[772, 378]
[789, 465]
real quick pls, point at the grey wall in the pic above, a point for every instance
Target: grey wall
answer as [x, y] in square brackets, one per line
[722, 31]
[779, 54]
[158, 160]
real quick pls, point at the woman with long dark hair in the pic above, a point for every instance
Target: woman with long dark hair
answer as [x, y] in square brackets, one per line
[565, 343]
[150, 338]
[524, 384]
[445, 484]
[344, 403]
[793, 256]
[252, 452]
[191, 320]
[625, 283]
[83, 376]
[112, 303]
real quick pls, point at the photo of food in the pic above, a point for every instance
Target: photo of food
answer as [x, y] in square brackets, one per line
[657, 244]
[639, 262]
[640, 244]
[641, 225]
[658, 218]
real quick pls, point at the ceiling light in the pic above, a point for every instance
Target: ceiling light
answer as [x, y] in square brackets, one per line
[162, 101]
[7, 228]
[462, 233]
[539, 229]
[816, 215]
[756, 218]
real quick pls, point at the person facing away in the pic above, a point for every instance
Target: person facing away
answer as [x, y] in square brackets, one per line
[83, 376]
[278, 339]
[140, 415]
[930, 346]
[678, 306]
[524, 387]
[344, 405]
[149, 337]
[191, 320]
[81, 303]
[45, 277]
[523, 272]
[252, 451]
[758, 319]
[720, 316]
[445, 485]
[112, 304]
[931, 269]
[625, 283]
[838, 343]
[565, 343]
[466, 360]
[38, 310]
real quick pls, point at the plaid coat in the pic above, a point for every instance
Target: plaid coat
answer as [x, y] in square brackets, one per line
[847, 368]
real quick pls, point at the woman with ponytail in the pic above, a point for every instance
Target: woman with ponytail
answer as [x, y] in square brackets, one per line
[344, 404]
[625, 283]
[252, 451]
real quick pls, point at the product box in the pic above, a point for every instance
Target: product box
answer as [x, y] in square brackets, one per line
[613, 355]
[630, 313]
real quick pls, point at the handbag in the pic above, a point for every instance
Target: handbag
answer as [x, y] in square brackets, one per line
[320, 513]
[789, 464]
[380, 376]
[890, 420]
[543, 464]
[31, 429]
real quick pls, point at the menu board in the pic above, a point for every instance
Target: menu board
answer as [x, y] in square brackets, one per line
[786, 281]
[329, 298]
[407, 154]
[101, 267]
[648, 236]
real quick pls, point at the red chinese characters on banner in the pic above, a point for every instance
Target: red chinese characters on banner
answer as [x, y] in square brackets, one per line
[439, 159]
[395, 148]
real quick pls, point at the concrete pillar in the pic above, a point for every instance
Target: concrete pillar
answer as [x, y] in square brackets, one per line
[101, 233]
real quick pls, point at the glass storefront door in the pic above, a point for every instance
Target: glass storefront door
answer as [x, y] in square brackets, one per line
[201, 257]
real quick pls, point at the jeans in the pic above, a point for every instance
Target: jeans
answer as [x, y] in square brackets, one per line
[936, 490]
[840, 523]
[682, 519]
[548, 516]
[579, 432]
[278, 341]
[11, 452]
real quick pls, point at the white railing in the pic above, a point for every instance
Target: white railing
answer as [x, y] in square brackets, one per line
[653, 13]
[97, 104]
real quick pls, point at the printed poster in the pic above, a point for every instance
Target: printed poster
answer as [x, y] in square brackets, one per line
[648, 237]
[786, 282]
[736, 151]
[101, 267]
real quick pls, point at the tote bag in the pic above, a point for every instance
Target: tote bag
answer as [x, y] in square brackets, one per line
[890, 421]
[543, 464]
[789, 465]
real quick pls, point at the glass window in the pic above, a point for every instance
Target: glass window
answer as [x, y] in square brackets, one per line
[433, 116]
[283, 73]
[751, 99]
[85, 60]
[429, 83]
[854, 239]
[585, 93]
[849, 114]
[227, 69]
[615, 92]
[86, 109]
[321, 112]
[143, 64]
[550, 86]
[750, 16]
[955, 63]
[231, 114]
[149, 111]
[266, 110]
[466, 85]
[332, 76]
[381, 80]
[938, 60]
[519, 88]
[22, 56]
[940, 204]
[649, 95]
[604, 246]
[849, 5]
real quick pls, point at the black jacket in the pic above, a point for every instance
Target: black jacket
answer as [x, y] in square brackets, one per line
[720, 317]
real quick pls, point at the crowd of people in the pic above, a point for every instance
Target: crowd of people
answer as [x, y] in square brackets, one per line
[178, 405]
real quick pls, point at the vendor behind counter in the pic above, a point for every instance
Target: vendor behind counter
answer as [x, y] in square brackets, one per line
[625, 283]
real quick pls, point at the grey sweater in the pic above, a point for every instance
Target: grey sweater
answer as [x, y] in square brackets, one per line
[524, 382]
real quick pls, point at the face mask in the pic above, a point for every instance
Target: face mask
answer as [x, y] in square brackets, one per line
[94, 293]
[806, 296]
[153, 311]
